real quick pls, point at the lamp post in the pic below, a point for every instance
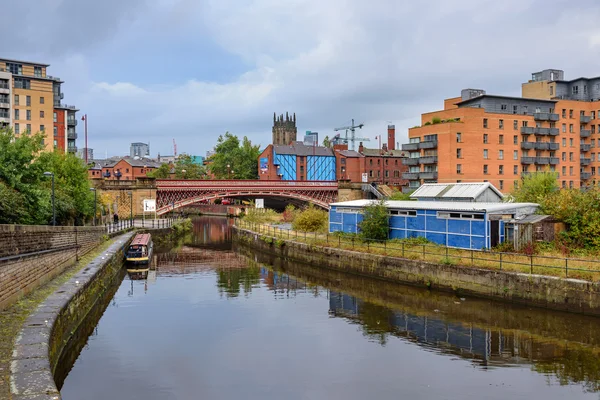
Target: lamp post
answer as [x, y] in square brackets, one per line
[95, 204]
[51, 174]
[233, 174]
[183, 171]
[228, 172]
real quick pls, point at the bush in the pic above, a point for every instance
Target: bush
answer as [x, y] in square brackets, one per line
[375, 224]
[436, 120]
[311, 220]
[261, 216]
[289, 213]
[427, 123]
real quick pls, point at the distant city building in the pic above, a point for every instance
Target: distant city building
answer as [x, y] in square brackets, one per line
[311, 138]
[197, 160]
[297, 162]
[125, 168]
[210, 153]
[166, 159]
[30, 101]
[284, 129]
[139, 150]
[81, 154]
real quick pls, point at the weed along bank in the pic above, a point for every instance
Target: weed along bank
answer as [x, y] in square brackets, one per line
[461, 225]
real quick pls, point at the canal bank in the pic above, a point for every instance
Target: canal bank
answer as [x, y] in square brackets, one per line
[571, 295]
[47, 330]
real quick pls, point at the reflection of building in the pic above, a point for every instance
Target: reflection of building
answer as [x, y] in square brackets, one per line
[139, 150]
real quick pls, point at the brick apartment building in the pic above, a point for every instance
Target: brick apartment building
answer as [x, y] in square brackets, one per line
[30, 101]
[480, 137]
[125, 169]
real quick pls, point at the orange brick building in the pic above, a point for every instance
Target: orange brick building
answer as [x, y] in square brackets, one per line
[126, 169]
[479, 137]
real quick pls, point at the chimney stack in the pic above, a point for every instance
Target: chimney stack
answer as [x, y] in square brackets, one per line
[391, 137]
[360, 148]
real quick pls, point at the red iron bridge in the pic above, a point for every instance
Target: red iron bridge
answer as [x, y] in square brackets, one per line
[174, 194]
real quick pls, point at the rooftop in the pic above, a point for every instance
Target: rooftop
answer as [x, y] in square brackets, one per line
[385, 153]
[439, 205]
[467, 190]
[300, 149]
[503, 97]
[24, 62]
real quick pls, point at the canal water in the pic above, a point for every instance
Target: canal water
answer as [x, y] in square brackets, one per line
[215, 322]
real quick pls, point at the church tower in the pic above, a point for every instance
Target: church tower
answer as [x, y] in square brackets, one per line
[284, 129]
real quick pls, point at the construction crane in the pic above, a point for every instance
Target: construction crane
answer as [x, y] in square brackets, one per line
[352, 139]
[174, 148]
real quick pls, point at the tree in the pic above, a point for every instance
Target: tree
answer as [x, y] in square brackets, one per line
[326, 142]
[192, 170]
[311, 220]
[536, 187]
[230, 155]
[375, 224]
[162, 172]
[399, 195]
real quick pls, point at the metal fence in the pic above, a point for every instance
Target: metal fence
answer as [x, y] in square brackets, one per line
[587, 269]
[125, 224]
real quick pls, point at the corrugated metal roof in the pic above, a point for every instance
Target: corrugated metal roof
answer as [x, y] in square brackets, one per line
[300, 149]
[531, 219]
[439, 205]
[454, 190]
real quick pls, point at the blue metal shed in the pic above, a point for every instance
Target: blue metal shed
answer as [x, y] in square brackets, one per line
[454, 224]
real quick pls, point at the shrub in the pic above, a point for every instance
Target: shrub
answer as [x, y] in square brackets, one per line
[436, 120]
[375, 224]
[427, 123]
[261, 215]
[311, 220]
[289, 213]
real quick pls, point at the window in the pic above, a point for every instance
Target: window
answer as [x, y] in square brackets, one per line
[485, 154]
[54, 117]
[458, 153]
[342, 161]
[564, 156]
[515, 155]
[371, 173]
[446, 215]
[593, 143]
[575, 89]
[593, 129]
[593, 114]
[28, 129]
[37, 71]
[17, 114]
[500, 169]
[571, 171]
[515, 124]
[501, 139]
[570, 113]
[501, 184]
[503, 107]
[16, 99]
[41, 114]
[28, 113]
[55, 131]
[516, 184]
[15, 69]
[564, 113]
[41, 100]
[459, 168]
[584, 89]
[515, 109]
[485, 169]
[571, 128]
[571, 156]
[564, 171]
[515, 169]
[501, 124]
[17, 128]
[524, 124]
[564, 142]
[56, 145]
[571, 142]
[500, 154]
[458, 137]
[21, 83]
[551, 90]
[42, 128]
[564, 128]
[485, 138]
[564, 184]
[485, 123]
[524, 110]
[28, 101]
[302, 169]
[515, 139]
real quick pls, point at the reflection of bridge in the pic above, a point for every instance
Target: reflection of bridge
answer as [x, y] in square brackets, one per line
[173, 194]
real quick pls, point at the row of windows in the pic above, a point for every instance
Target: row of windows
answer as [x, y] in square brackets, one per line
[28, 128]
[27, 100]
[27, 114]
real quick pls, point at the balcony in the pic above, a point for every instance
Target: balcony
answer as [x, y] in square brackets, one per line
[72, 135]
[539, 146]
[428, 160]
[545, 131]
[410, 146]
[410, 175]
[545, 117]
[72, 149]
[585, 119]
[71, 121]
[527, 130]
[409, 189]
[428, 175]
[410, 161]
[585, 161]
[542, 160]
[554, 160]
[585, 147]
[527, 160]
[5, 118]
[585, 176]
[4, 103]
[585, 133]
[430, 144]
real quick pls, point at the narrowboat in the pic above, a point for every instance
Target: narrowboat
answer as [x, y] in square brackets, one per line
[140, 249]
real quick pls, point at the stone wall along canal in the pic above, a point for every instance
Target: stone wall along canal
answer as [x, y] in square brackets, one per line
[209, 321]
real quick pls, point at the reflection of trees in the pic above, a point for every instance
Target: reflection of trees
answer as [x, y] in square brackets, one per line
[232, 280]
[575, 365]
[375, 322]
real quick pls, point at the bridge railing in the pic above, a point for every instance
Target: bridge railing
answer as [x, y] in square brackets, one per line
[178, 183]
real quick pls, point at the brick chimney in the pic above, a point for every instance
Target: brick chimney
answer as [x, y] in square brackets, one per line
[360, 148]
[384, 148]
[391, 137]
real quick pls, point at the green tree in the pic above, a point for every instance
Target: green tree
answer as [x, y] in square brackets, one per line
[311, 220]
[186, 168]
[536, 187]
[162, 172]
[399, 195]
[242, 158]
[375, 224]
[326, 141]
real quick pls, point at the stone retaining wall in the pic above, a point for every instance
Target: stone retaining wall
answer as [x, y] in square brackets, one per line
[31, 255]
[542, 291]
[47, 331]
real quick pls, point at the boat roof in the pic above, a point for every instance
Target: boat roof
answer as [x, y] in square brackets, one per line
[141, 239]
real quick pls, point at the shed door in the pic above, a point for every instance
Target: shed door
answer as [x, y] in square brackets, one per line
[494, 232]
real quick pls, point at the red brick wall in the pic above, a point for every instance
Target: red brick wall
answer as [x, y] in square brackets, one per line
[20, 275]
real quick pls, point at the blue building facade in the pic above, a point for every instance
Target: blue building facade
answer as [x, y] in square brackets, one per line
[300, 162]
[462, 225]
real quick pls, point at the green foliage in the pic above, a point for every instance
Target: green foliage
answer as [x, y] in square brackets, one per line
[241, 158]
[436, 120]
[536, 187]
[427, 123]
[182, 227]
[311, 220]
[186, 168]
[289, 213]
[326, 141]
[414, 241]
[375, 224]
[261, 215]
[399, 195]
[162, 172]
[25, 193]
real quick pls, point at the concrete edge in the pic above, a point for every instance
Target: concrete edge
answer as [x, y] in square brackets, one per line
[30, 369]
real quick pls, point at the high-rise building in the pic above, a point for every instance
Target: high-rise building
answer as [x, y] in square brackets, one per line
[139, 150]
[480, 137]
[90, 154]
[311, 138]
[33, 100]
[284, 129]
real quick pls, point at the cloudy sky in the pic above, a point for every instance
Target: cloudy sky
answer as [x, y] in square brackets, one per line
[154, 70]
